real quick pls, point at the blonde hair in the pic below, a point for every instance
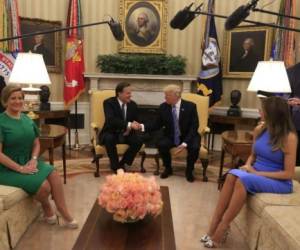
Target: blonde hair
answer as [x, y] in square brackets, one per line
[172, 88]
[7, 92]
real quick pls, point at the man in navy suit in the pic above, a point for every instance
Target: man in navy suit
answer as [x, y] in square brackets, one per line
[179, 120]
[121, 114]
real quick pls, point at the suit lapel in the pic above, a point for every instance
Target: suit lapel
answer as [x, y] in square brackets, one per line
[181, 113]
[118, 107]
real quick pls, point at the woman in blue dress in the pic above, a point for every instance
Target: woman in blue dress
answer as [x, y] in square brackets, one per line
[269, 168]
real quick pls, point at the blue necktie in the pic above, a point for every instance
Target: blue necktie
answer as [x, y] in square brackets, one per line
[176, 126]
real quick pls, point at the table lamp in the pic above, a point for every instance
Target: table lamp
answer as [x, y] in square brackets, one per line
[30, 69]
[270, 77]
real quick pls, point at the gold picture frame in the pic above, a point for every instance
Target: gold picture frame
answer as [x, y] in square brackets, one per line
[145, 26]
[49, 45]
[243, 48]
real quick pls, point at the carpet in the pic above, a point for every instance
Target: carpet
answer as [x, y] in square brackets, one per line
[85, 165]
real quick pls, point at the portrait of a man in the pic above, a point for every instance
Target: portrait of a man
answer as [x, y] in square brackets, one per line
[244, 48]
[49, 45]
[142, 24]
[39, 47]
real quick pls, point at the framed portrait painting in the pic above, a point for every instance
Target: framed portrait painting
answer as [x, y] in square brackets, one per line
[49, 45]
[243, 48]
[145, 26]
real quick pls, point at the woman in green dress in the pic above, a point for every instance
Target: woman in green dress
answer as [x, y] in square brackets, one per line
[19, 163]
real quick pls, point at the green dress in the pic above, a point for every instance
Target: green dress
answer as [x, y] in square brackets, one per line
[17, 137]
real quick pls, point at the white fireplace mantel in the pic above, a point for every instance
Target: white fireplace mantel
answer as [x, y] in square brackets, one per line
[147, 89]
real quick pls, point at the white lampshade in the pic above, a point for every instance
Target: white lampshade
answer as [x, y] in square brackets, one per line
[271, 77]
[30, 69]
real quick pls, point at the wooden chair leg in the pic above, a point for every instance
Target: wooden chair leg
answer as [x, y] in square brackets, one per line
[204, 163]
[96, 160]
[156, 157]
[143, 154]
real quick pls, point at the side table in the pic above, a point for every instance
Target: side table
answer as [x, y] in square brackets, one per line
[238, 144]
[52, 136]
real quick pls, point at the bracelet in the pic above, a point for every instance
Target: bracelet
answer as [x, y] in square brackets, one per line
[34, 158]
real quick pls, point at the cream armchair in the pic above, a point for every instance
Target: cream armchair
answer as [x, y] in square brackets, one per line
[202, 103]
[98, 119]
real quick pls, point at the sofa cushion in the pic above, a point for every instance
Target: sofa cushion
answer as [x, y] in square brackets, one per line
[1, 205]
[259, 201]
[11, 195]
[280, 228]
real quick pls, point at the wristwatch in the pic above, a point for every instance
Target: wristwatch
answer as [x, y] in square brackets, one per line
[34, 157]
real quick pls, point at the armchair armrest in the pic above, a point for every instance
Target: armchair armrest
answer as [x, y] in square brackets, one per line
[94, 133]
[206, 130]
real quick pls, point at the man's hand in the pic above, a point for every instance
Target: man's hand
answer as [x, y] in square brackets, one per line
[294, 101]
[179, 148]
[136, 126]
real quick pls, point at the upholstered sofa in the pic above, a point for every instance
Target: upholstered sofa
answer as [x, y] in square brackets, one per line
[271, 221]
[17, 211]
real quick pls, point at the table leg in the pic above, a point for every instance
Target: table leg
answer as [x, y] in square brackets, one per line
[51, 159]
[64, 162]
[221, 167]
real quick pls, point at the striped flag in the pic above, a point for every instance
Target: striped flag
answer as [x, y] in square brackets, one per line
[74, 59]
[284, 45]
[210, 76]
[9, 26]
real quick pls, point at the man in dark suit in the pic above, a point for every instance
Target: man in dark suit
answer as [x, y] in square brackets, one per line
[294, 101]
[120, 126]
[179, 120]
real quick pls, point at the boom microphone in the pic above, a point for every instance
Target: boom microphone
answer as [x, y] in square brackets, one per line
[116, 29]
[240, 14]
[183, 17]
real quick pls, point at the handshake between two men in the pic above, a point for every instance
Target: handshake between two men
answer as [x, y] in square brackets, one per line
[177, 118]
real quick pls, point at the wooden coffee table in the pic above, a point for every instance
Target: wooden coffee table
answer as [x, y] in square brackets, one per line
[100, 231]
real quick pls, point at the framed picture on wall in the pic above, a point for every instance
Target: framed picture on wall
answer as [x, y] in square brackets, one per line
[243, 48]
[49, 45]
[145, 26]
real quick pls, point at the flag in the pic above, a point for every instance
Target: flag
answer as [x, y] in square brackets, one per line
[284, 46]
[210, 76]
[7, 61]
[74, 59]
[10, 26]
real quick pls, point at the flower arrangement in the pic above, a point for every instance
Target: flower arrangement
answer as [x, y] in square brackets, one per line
[130, 196]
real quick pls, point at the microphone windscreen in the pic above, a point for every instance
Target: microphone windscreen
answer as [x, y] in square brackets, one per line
[179, 18]
[116, 30]
[237, 17]
[189, 18]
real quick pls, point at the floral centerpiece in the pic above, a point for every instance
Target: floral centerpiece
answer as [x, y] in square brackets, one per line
[130, 196]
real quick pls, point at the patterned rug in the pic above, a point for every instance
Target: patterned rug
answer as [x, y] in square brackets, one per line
[82, 166]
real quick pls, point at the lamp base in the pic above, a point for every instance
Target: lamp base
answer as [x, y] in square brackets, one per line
[32, 115]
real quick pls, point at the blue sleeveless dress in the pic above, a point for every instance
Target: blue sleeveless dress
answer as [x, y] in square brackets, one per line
[267, 161]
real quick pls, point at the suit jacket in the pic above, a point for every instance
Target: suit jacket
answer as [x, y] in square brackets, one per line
[114, 122]
[294, 77]
[188, 121]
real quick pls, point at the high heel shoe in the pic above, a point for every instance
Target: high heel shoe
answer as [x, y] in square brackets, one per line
[211, 244]
[51, 220]
[205, 238]
[71, 224]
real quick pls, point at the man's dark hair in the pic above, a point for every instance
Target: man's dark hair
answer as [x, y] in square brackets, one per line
[121, 86]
